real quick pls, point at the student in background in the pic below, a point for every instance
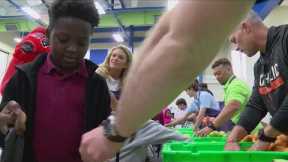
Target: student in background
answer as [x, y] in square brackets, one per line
[114, 70]
[164, 117]
[168, 116]
[203, 105]
[31, 46]
[181, 108]
[204, 86]
[236, 96]
[206, 103]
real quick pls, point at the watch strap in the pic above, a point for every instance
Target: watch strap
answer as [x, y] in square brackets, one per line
[111, 132]
[263, 137]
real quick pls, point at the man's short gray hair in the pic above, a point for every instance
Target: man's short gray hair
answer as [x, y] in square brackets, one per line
[253, 17]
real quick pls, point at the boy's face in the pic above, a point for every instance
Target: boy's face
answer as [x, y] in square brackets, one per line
[69, 40]
[167, 112]
[182, 106]
[222, 73]
[191, 92]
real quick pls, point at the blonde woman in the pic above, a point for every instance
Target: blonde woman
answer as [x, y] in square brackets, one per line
[114, 69]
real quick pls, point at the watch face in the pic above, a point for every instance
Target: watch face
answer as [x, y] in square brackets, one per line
[107, 127]
[110, 133]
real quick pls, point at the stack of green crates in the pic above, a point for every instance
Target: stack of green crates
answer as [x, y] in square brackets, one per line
[211, 149]
[208, 152]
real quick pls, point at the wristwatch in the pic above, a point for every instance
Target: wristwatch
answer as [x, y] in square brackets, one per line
[110, 131]
[211, 126]
[263, 137]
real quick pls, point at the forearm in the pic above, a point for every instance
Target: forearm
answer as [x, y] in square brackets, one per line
[192, 117]
[227, 113]
[237, 134]
[153, 37]
[199, 118]
[197, 124]
[271, 132]
[176, 121]
[178, 53]
[251, 117]
[274, 129]
[279, 119]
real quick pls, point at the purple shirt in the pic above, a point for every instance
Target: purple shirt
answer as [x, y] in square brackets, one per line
[60, 113]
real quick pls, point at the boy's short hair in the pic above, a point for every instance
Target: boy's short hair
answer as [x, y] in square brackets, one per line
[181, 101]
[221, 61]
[82, 9]
[194, 85]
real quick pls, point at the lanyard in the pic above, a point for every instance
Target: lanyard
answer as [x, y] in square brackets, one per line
[233, 77]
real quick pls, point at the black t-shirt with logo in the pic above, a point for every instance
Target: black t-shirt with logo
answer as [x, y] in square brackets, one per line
[270, 85]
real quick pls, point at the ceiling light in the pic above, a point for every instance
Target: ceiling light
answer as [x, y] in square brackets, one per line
[171, 4]
[34, 2]
[118, 37]
[31, 12]
[100, 8]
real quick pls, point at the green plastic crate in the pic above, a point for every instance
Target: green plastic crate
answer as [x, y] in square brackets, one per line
[208, 139]
[190, 133]
[208, 152]
[186, 131]
[196, 139]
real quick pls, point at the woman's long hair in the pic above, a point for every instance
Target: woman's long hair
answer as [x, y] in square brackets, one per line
[104, 68]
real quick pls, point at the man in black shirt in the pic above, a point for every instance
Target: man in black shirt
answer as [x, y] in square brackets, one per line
[270, 85]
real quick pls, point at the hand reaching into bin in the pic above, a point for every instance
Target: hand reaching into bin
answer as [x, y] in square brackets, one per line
[232, 146]
[204, 132]
[260, 146]
[12, 114]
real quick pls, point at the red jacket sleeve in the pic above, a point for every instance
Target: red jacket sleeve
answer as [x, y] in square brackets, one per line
[32, 45]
